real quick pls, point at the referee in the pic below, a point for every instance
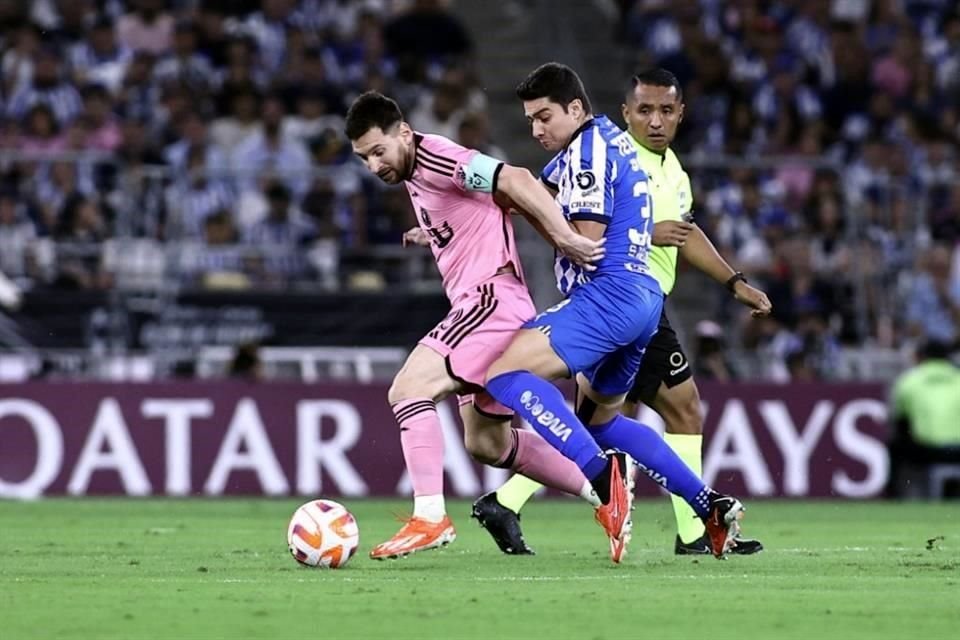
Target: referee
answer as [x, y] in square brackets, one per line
[653, 110]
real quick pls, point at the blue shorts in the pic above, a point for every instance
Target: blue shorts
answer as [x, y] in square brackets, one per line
[601, 331]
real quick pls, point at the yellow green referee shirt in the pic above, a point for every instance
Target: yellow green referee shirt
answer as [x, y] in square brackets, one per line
[928, 396]
[672, 197]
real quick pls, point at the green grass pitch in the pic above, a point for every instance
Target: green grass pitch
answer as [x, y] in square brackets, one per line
[111, 568]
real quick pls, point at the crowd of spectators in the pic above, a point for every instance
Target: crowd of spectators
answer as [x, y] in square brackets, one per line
[215, 127]
[211, 126]
[857, 241]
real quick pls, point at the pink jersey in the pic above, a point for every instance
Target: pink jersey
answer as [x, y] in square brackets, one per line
[452, 193]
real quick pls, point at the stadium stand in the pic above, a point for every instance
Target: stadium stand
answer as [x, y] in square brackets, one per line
[156, 155]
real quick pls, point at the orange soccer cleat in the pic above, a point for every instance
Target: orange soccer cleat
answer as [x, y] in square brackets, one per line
[416, 534]
[616, 515]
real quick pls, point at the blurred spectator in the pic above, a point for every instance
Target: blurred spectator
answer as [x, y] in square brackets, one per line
[194, 197]
[945, 223]
[149, 27]
[440, 111]
[17, 234]
[924, 405]
[241, 120]
[799, 367]
[389, 215]
[184, 65]
[102, 126]
[17, 62]
[82, 227]
[784, 105]
[268, 150]
[100, 58]
[82, 220]
[830, 256]
[138, 96]
[269, 27]
[312, 116]
[40, 131]
[53, 186]
[933, 303]
[474, 133]
[284, 224]
[246, 364]
[194, 134]
[710, 362]
[242, 64]
[131, 188]
[217, 262]
[48, 87]
[427, 31]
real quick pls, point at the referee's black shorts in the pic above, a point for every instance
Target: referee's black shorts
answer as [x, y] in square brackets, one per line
[663, 362]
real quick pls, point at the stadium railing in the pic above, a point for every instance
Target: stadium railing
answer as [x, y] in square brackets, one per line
[301, 364]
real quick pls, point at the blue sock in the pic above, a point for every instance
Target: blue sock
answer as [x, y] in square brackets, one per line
[542, 405]
[655, 458]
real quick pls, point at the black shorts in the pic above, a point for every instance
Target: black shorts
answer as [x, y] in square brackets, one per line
[663, 362]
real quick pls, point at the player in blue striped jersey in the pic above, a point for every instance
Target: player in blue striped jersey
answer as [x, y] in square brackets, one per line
[599, 332]
[597, 179]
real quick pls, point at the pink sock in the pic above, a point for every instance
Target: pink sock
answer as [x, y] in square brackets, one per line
[539, 461]
[422, 440]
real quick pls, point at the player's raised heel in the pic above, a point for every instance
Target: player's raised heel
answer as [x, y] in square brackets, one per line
[416, 535]
[723, 523]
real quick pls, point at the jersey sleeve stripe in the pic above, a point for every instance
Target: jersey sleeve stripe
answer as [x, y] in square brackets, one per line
[599, 156]
[585, 148]
[437, 158]
[436, 169]
[576, 152]
[590, 217]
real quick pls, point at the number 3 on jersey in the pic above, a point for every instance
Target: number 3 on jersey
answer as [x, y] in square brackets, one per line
[640, 242]
[640, 189]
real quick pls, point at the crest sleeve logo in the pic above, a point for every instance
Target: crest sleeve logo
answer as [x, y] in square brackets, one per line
[586, 180]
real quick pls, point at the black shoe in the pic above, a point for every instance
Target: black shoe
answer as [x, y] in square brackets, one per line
[502, 524]
[700, 547]
[746, 546]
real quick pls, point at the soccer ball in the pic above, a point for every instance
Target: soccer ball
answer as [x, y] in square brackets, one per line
[322, 533]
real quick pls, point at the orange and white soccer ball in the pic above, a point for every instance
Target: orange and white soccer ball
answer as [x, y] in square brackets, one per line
[322, 533]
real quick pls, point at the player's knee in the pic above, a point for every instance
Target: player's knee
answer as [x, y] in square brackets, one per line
[484, 446]
[405, 387]
[629, 408]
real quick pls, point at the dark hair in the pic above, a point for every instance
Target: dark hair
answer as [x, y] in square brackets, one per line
[369, 111]
[658, 77]
[934, 350]
[556, 82]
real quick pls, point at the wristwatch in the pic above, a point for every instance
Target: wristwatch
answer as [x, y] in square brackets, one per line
[734, 279]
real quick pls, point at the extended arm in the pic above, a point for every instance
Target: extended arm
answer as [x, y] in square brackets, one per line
[532, 198]
[700, 252]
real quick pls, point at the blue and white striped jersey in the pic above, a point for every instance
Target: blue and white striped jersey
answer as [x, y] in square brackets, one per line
[598, 178]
